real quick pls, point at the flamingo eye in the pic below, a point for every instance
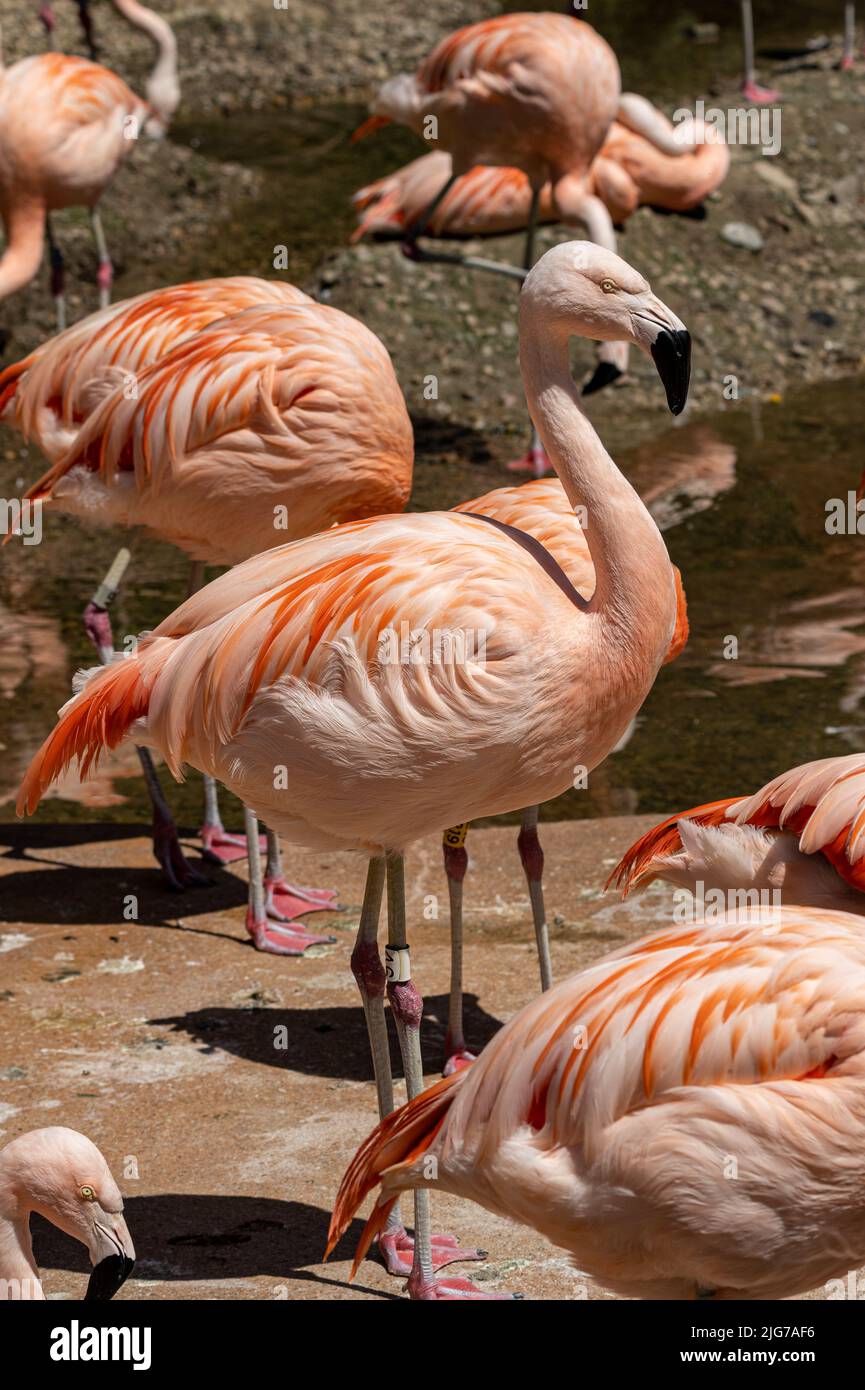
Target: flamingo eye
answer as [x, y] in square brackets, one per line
[609, 286]
[87, 1193]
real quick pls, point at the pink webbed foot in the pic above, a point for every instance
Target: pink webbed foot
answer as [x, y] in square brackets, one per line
[277, 940]
[458, 1061]
[761, 96]
[397, 1252]
[533, 461]
[177, 869]
[221, 847]
[452, 1288]
[285, 901]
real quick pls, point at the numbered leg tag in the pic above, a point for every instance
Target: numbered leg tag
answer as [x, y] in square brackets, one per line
[455, 838]
[397, 964]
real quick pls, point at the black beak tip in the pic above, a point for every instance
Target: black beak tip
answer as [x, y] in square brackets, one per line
[605, 374]
[108, 1276]
[671, 352]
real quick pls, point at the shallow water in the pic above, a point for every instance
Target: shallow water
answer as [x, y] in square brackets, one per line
[741, 497]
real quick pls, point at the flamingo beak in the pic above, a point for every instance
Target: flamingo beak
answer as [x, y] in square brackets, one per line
[671, 353]
[112, 1255]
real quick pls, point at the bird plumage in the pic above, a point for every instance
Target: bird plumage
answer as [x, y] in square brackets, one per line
[685, 1115]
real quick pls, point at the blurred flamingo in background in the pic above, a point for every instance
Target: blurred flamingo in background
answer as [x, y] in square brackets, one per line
[283, 664]
[603, 1114]
[533, 92]
[277, 421]
[802, 834]
[162, 87]
[65, 126]
[629, 173]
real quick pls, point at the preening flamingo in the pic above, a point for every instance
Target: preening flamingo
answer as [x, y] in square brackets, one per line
[277, 421]
[65, 126]
[539, 509]
[630, 172]
[61, 1175]
[162, 86]
[801, 835]
[607, 1114]
[276, 679]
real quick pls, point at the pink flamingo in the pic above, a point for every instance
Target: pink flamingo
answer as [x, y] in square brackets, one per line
[162, 86]
[277, 421]
[65, 126]
[539, 509]
[630, 172]
[604, 1114]
[61, 1175]
[803, 834]
[536, 92]
[277, 678]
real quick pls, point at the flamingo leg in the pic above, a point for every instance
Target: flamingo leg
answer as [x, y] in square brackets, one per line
[532, 859]
[456, 860]
[105, 272]
[751, 88]
[86, 20]
[283, 902]
[166, 845]
[428, 1252]
[46, 16]
[419, 226]
[58, 277]
[276, 938]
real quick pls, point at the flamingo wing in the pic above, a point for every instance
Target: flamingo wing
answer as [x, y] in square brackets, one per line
[48, 394]
[822, 803]
[255, 407]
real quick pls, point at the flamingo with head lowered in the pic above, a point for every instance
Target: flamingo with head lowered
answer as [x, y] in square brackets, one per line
[685, 1118]
[66, 125]
[275, 679]
[802, 836]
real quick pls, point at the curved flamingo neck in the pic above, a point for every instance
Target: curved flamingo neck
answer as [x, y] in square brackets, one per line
[24, 224]
[162, 86]
[16, 1255]
[633, 576]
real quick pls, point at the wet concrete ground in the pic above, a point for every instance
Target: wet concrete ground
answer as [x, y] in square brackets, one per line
[157, 1038]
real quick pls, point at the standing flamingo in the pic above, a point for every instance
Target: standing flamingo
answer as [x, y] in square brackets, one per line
[539, 509]
[162, 86]
[61, 1175]
[65, 126]
[802, 835]
[606, 1113]
[276, 678]
[277, 421]
[536, 92]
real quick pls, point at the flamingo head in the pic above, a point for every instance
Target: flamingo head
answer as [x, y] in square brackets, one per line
[579, 289]
[62, 1175]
